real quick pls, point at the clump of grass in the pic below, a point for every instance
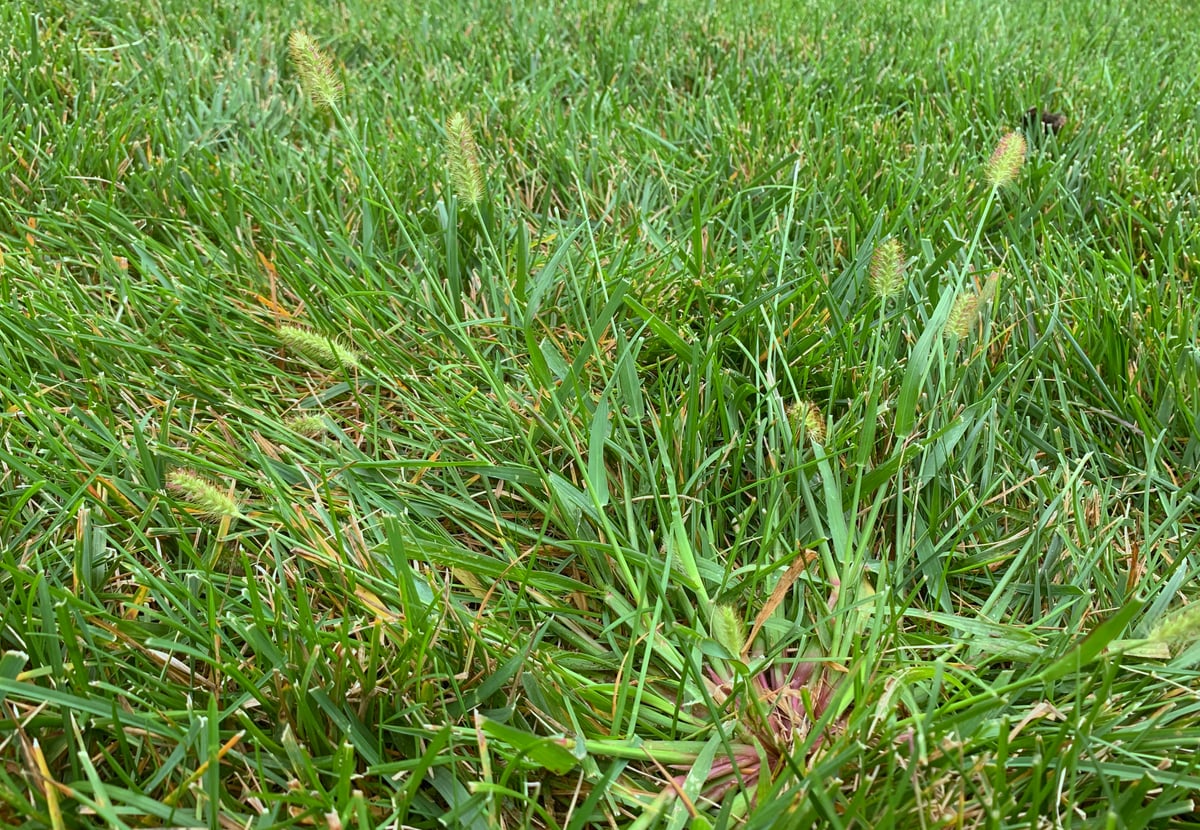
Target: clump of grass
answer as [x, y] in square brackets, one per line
[778, 709]
[547, 497]
[320, 82]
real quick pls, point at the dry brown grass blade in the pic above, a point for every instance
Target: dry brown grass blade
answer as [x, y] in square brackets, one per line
[781, 590]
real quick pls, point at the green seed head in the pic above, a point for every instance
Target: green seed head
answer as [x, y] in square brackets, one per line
[806, 416]
[1006, 160]
[318, 348]
[968, 307]
[887, 269]
[988, 291]
[205, 498]
[310, 426]
[728, 629]
[315, 69]
[1181, 627]
[463, 159]
[963, 315]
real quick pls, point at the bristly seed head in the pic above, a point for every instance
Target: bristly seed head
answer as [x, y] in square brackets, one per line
[315, 69]
[310, 426]
[806, 416]
[728, 629]
[1182, 627]
[887, 269]
[463, 159]
[206, 498]
[988, 290]
[318, 348]
[1006, 160]
[963, 315]
[968, 306]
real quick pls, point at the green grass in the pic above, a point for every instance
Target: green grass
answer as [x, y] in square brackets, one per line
[331, 496]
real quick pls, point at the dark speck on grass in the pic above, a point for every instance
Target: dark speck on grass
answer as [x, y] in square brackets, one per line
[1049, 122]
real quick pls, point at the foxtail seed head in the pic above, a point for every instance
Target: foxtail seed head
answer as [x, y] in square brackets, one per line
[315, 69]
[988, 290]
[887, 269]
[963, 315]
[806, 416]
[205, 498]
[1006, 160]
[1181, 627]
[318, 348]
[463, 159]
[310, 426]
[728, 629]
[968, 306]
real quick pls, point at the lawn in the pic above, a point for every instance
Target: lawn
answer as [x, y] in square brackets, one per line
[612, 415]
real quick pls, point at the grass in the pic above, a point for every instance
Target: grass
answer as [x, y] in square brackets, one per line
[514, 432]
